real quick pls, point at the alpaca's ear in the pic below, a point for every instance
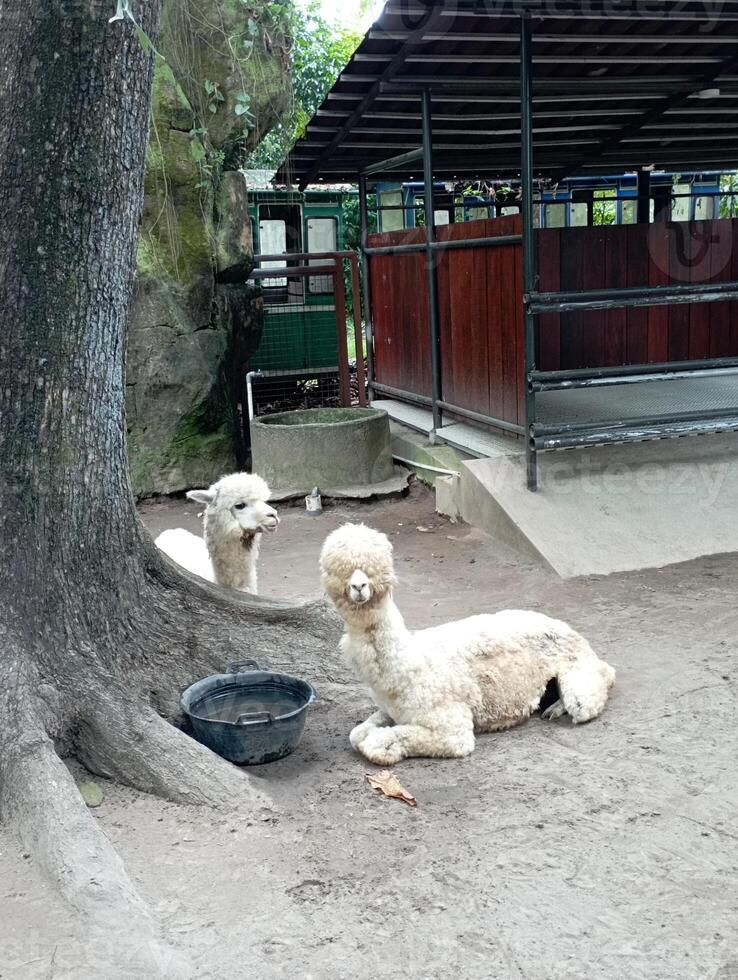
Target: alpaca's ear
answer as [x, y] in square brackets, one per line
[201, 496]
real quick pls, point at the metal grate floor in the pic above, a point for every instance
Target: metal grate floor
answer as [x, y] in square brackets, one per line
[638, 400]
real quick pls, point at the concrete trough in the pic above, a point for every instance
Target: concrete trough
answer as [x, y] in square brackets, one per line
[345, 452]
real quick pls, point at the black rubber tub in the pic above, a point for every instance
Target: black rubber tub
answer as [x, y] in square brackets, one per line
[248, 715]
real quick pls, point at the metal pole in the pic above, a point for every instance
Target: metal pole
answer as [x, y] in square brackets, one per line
[454, 243]
[412, 156]
[435, 338]
[339, 296]
[644, 197]
[365, 278]
[358, 332]
[529, 243]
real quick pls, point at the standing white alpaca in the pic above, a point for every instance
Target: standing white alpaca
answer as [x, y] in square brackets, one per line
[436, 687]
[236, 513]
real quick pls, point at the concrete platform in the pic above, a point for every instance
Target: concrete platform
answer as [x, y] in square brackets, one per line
[600, 510]
[614, 508]
[470, 439]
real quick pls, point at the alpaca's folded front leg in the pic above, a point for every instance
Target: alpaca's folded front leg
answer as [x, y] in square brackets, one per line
[386, 746]
[378, 720]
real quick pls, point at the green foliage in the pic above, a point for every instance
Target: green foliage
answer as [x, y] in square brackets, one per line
[729, 195]
[319, 53]
[243, 107]
[214, 95]
[352, 240]
[603, 211]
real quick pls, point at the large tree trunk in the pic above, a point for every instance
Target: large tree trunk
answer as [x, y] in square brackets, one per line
[98, 633]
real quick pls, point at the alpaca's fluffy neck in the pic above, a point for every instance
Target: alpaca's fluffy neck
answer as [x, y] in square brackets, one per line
[233, 552]
[377, 640]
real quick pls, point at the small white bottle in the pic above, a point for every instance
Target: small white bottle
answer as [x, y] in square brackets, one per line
[313, 503]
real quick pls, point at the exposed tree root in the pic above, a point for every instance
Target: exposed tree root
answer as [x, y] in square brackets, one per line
[107, 707]
[132, 744]
[43, 803]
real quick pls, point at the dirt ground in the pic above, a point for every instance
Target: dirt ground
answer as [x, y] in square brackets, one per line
[603, 852]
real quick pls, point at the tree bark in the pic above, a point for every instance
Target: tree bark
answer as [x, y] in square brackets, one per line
[98, 632]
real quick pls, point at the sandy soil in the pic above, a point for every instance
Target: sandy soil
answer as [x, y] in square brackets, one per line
[554, 852]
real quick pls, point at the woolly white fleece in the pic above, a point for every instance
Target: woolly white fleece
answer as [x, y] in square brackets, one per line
[236, 513]
[436, 687]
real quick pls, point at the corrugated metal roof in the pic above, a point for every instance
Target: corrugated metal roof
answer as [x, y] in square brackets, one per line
[617, 84]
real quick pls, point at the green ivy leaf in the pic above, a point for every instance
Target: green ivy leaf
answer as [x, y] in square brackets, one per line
[144, 40]
[91, 794]
[122, 11]
[208, 86]
[181, 94]
[197, 151]
[212, 107]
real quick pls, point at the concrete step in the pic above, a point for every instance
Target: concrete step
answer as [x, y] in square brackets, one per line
[614, 508]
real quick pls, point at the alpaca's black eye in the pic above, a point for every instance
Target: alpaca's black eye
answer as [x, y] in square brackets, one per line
[239, 506]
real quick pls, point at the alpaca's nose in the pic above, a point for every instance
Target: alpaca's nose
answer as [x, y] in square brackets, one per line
[359, 591]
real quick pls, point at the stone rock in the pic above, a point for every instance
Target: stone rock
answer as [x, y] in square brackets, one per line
[189, 336]
[234, 242]
[91, 793]
[211, 41]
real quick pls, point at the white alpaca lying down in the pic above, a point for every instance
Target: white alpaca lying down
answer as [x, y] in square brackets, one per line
[236, 513]
[436, 687]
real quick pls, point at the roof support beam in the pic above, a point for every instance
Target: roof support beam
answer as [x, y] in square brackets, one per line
[485, 97]
[654, 115]
[393, 163]
[434, 57]
[695, 13]
[467, 85]
[561, 38]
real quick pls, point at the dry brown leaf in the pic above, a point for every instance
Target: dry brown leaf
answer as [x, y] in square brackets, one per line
[388, 784]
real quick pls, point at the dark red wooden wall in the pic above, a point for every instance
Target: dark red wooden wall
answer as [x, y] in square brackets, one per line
[637, 255]
[480, 313]
[480, 306]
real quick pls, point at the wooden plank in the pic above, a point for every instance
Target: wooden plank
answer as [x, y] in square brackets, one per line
[573, 250]
[721, 267]
[469, 363]
[678, 274]
[495, 368]
[616, 276]
[413, 325]
[699, 238]
[636, 320]
[658, 275]
[593, 276]
[548, 346]
[734, 277]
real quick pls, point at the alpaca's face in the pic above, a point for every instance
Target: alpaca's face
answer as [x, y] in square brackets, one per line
[356, 567]
[242, 499]
[254, 515]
